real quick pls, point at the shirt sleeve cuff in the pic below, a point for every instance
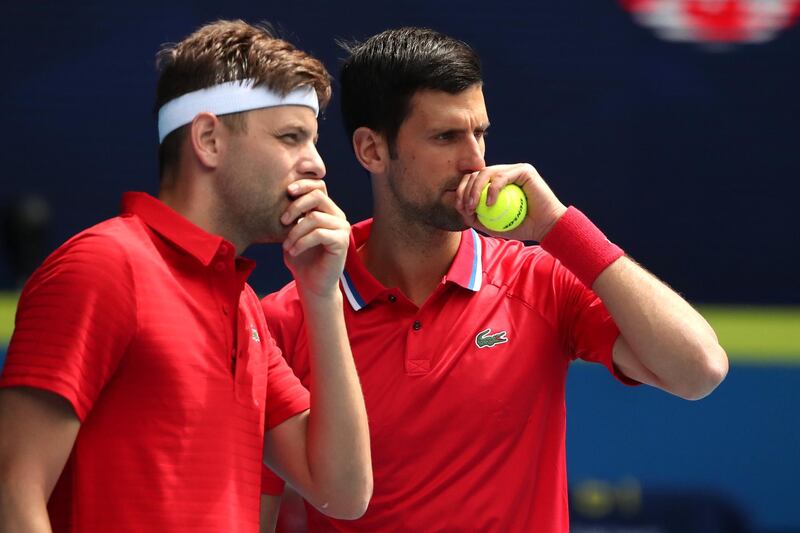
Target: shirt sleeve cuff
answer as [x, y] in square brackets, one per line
[271, 484]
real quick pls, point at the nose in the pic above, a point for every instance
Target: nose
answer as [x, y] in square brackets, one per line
[471, 159]
[312, 166]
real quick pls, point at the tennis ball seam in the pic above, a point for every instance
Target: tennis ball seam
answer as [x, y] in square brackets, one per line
[510, 217]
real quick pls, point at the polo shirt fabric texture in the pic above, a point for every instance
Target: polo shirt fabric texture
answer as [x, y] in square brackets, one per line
[466, 394]
[145, 325]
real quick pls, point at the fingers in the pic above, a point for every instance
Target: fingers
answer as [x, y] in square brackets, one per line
[310, 195]
[330, 239]
[318, 228]
[469, 190]
[303, 186]
[315, 219]
[461, 199]
[544, 208]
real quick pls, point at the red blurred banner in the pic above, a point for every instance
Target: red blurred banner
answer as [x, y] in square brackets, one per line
[715, 21]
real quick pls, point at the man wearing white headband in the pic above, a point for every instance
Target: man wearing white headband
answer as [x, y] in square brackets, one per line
[142, 389]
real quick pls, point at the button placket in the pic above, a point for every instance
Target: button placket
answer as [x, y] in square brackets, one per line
[417, 356]
[223, 253]
[221, 262]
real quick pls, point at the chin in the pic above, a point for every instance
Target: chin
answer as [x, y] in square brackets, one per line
[274, 235]
[459, 227]
[447, 221]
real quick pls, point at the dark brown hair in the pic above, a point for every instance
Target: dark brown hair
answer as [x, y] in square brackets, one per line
[225, 51]
[382, 74]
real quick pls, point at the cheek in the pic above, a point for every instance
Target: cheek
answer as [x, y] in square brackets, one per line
[441, 160]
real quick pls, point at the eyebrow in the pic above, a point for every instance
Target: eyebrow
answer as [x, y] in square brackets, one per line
[480, 127]
[302, 130]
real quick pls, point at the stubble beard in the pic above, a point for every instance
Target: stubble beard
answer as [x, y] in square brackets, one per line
[254, 215]
[434, 212]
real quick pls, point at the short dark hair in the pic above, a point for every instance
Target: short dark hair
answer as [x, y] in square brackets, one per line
[383, 73]
[230, 50]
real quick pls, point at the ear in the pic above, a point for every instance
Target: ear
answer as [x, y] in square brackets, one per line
[205, 138]
[371, 150]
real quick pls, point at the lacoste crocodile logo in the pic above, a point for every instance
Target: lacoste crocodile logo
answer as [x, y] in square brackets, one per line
[487, 339]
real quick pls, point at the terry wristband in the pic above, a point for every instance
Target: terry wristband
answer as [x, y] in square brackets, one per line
[580, 246]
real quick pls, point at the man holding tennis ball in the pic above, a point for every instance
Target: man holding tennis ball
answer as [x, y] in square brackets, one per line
[462, 341]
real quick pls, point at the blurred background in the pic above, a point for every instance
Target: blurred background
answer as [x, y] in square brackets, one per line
[672, 123]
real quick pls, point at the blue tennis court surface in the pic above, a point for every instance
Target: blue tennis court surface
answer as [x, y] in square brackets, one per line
[742, 442]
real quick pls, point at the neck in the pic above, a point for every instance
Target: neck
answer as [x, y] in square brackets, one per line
[413, 258]
[193, 198]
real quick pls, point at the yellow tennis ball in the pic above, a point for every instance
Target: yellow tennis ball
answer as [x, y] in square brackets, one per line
[508, 211]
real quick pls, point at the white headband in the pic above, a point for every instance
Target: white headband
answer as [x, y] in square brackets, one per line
[225, 98]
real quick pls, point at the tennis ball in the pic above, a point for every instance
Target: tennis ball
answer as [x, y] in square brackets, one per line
[508, 211]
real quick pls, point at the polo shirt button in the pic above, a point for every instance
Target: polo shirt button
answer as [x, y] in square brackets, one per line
[223, 249]
[219, 266]
[417, 325]
[392, 298]
[225, 310]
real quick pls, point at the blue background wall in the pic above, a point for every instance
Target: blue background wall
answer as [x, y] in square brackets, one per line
[687, 157]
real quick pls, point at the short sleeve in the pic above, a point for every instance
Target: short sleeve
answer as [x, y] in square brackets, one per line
[75, 318]
[286, 396]
[589, 330]
[271, 483]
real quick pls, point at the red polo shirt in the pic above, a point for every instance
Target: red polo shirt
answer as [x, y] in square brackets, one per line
[145, 325]
[465, 395]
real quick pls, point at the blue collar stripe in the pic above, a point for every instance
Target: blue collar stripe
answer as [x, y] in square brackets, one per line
[476, 275]
[355, 299]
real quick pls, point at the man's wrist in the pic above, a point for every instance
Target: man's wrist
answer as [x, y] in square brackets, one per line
[580, 246]
[331, 298]
[553, 221]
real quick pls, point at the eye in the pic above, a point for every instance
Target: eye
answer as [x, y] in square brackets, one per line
[445, 136]
[481, 134]
[292, 138]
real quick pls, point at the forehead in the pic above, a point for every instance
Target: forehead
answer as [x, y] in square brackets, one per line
[285, 116]
[434, 109]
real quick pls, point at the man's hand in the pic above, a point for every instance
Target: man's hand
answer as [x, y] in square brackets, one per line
[316, 246]
[544, 208]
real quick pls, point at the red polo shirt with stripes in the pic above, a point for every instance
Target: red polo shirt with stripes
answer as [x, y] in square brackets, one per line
[465, 395]
[145, 325]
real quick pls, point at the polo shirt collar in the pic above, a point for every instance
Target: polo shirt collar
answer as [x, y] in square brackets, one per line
[360, 286]
[467, 267]
[177, 229]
